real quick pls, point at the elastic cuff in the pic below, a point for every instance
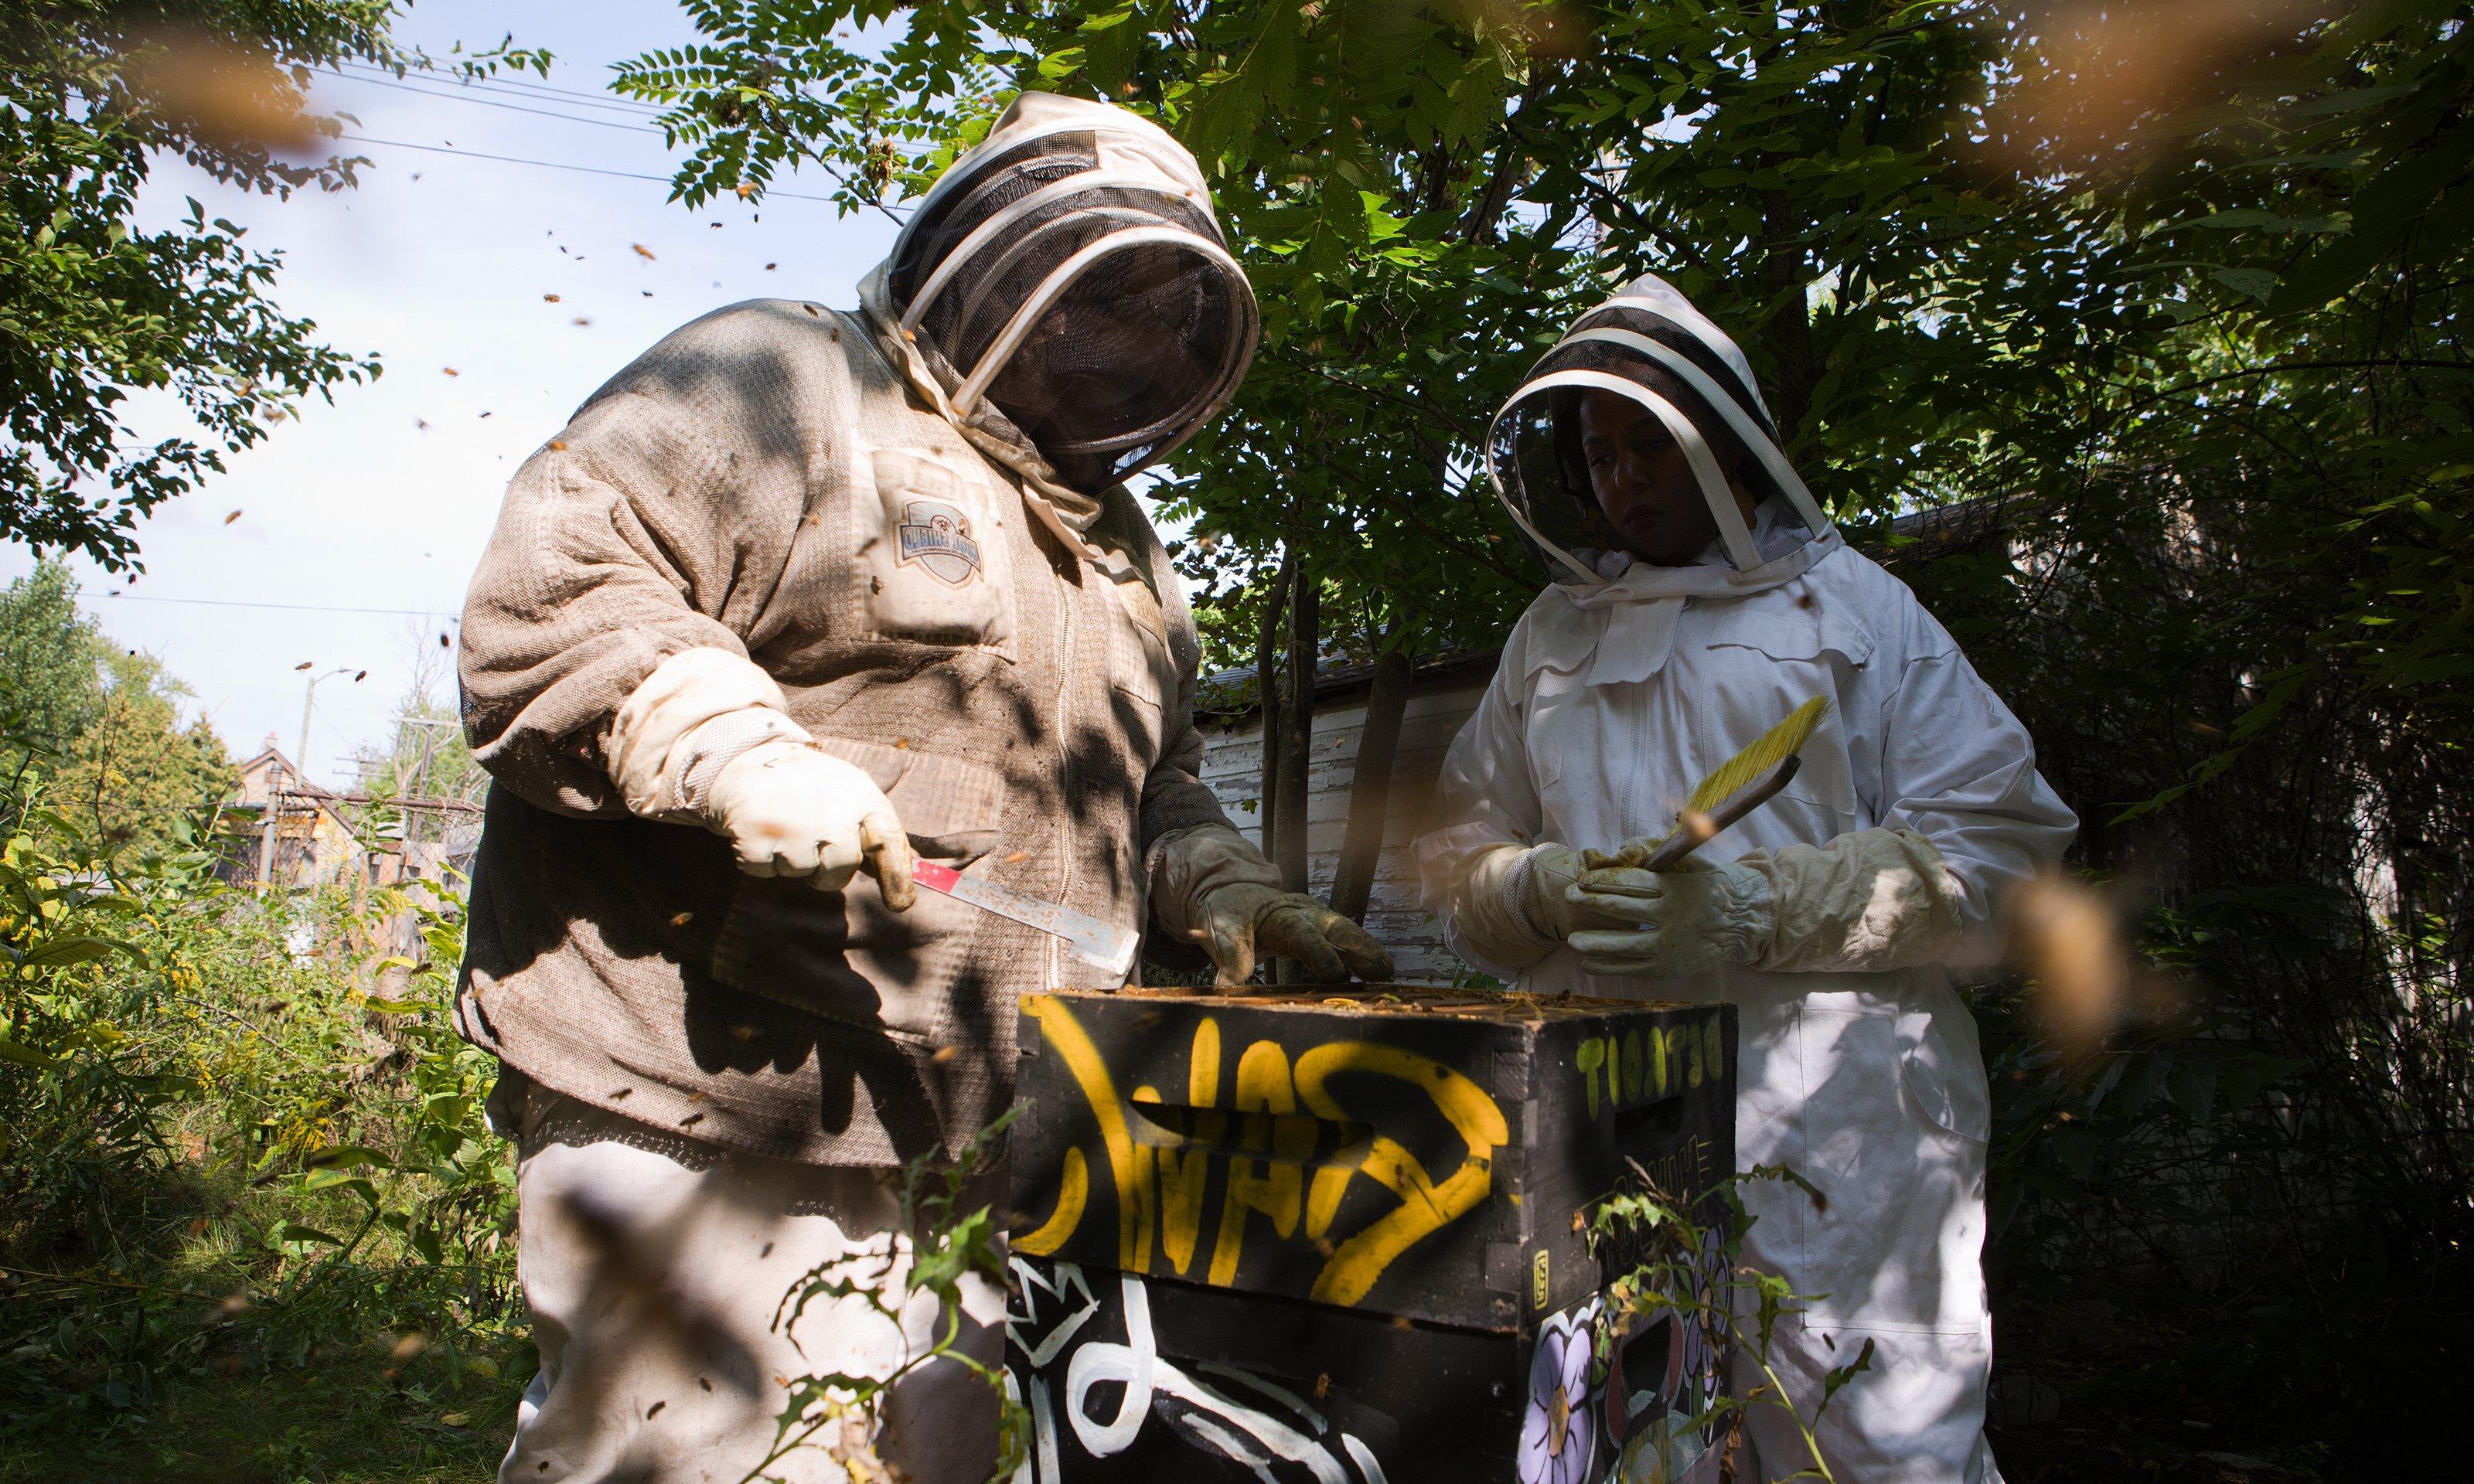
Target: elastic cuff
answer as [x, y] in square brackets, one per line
[1490, 906]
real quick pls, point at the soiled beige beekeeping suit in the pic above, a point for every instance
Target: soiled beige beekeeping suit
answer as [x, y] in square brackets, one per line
[789, 534]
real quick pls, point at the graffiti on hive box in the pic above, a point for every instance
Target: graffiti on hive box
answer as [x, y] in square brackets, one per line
[1110, 1390]
[1649, 1065]
[1286, 1150]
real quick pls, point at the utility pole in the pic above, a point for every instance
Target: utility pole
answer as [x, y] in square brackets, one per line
[420, 788]
[301, 768]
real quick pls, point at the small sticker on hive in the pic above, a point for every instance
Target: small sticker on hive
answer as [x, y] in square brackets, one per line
[1538, 1281]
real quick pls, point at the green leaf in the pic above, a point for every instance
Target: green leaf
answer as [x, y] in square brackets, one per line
[59, 952]
[2194, 1088]
[317, 1180]
[23, 1055]
[344, 1157]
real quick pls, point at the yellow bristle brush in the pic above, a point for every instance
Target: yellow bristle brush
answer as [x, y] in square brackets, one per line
[1738, 786]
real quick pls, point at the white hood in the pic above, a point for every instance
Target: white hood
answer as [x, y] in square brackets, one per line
[1647, 337]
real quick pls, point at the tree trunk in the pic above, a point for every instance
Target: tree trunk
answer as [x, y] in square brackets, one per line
[1370, 785]
[1267, 671]
[1297, 740]
[1788, 335]
[1297, 728]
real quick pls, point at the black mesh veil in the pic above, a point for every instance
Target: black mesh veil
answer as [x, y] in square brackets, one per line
[1650, 346]
[1070, 272]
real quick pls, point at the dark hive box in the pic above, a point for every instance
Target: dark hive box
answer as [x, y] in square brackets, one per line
[1333, 1237]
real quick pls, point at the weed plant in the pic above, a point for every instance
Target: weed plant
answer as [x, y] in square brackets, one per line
[247, 1199]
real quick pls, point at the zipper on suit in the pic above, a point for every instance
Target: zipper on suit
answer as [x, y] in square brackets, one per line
[1067, 594]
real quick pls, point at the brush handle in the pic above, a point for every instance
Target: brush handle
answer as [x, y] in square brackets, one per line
[1744, 801]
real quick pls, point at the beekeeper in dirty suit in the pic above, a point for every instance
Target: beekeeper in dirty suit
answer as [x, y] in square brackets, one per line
[1700, 596]
[800, 596]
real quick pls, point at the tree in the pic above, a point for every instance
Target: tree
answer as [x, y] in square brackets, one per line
[93, 309]
[1973, 254]
[49, 689]
[134, 774]
[101, 724]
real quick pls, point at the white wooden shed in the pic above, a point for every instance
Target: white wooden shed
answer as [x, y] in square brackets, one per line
[1443, 695]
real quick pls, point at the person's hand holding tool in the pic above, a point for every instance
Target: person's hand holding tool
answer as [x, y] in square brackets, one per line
[1676, 922]
[789, 809]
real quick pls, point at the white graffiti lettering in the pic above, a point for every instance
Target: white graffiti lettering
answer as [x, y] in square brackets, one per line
[1206, 1415]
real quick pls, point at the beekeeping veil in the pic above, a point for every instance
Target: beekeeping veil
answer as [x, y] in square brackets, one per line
[1069, 270]
[1647, 344]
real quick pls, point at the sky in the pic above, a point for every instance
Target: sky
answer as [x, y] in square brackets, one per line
[345, 540]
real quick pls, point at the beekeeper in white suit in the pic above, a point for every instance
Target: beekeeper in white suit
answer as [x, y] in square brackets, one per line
[1700, 596]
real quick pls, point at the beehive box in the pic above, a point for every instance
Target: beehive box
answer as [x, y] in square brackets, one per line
[1336, 1235]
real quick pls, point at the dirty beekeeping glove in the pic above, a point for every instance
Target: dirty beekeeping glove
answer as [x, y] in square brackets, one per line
[1677, 924]
[1515, 904]
[1211, 886]
[706, 740]
[1869, 901]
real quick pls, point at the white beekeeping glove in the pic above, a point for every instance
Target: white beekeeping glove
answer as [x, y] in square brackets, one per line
[706, 740]
[790, 810]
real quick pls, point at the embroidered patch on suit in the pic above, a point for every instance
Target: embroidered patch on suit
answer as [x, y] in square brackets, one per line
[938, 537]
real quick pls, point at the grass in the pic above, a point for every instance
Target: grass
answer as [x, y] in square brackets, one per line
[353, 1418]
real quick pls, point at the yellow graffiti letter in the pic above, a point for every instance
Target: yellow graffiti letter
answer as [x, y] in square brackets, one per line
[1184, 1177]
[1262, 1088]
[1591, 1055]
[1060, 1030]
[1071, 1194]
[1426, 1206]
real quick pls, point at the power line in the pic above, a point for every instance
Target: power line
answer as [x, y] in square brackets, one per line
[294, 607]
[523, 87]
[554, 164]
[571, 98]
[492, 103]
[889, 213]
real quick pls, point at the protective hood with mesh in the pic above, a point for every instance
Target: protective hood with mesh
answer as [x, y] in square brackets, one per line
[1650, 344]
[1069, 270]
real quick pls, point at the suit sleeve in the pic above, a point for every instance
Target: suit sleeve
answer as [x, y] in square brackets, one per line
[622, 542]
[1486, 804]
[1174, 797]
[1959, 770]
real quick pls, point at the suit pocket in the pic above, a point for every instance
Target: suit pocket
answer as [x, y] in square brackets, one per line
[951, 809]
[1897, 1245]
[1768, 667]
[1942, 1070]
[933, 547]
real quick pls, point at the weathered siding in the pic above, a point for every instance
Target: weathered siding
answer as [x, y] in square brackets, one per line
[1233, 766]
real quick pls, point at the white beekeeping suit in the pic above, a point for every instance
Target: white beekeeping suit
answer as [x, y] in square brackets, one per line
[1827, 916]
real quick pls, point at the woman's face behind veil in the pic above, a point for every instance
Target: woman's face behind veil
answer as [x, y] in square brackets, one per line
[1643, 481]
